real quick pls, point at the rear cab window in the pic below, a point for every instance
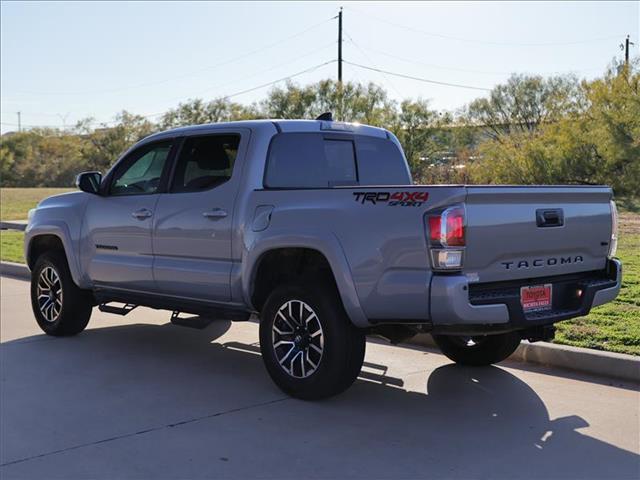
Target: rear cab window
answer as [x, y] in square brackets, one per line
[204, 162]
[320, 160]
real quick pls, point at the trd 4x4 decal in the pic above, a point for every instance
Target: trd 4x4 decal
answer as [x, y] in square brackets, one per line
[395, 199]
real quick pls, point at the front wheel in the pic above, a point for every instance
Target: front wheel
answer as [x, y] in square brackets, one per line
[309, 346]
[60, 307]
[478, 350]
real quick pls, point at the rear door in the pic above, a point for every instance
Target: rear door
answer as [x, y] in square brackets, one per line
[193, 226]
[527, 232]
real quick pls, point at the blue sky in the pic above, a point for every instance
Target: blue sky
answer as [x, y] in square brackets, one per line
[61, 62]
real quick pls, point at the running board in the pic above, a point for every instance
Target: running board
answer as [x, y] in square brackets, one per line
[125, 310]
[217, 311]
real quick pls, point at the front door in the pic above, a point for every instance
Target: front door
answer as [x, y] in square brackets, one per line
[117, 249]
[193, 226]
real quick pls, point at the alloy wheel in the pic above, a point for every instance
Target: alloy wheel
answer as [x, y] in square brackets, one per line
[49, 293]
[298, 339]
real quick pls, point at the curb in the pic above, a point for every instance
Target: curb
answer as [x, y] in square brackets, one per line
[19, 270]
[585, 360]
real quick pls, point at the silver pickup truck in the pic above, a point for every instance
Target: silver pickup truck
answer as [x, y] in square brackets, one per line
[316, 226]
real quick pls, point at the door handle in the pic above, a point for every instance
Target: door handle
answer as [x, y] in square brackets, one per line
[215, 213]
[550, 218]
[142, 214]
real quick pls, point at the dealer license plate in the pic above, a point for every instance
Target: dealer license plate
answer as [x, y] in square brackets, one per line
[536, 297]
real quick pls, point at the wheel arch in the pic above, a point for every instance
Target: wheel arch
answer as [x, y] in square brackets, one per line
[327, 256]
[52, 237]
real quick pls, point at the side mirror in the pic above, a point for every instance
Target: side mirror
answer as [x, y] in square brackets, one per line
[89, 182]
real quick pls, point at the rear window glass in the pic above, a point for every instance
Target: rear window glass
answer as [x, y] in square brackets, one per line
[308, 160]
[296, 160]
[380, 162]
[341, 162]
[311, 160]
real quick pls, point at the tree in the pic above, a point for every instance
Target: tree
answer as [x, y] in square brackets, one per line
[611, 127]
[105, 144]
[198, 111]
[290, 101]
[525, 103]
[595, 141]
[40, 158]
[414, 125]
[7, 160]
[349, 102]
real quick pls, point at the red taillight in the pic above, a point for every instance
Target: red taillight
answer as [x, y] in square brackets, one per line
[447, 229]
[454, 234]
[446, 235]
[434, 229]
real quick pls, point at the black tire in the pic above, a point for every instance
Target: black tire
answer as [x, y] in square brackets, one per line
[343, 344]
[480, 350]
[71, 310]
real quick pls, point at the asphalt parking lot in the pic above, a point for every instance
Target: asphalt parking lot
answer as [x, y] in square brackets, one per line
[138, 397]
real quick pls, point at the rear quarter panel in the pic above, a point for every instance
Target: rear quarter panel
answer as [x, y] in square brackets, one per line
[383, 246]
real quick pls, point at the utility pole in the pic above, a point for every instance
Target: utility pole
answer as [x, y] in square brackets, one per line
[626, 50]
[625, 47]
[340, 45]
[19, 122]
[64, 120]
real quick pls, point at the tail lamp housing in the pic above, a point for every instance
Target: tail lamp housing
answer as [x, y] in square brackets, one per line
[446, 234]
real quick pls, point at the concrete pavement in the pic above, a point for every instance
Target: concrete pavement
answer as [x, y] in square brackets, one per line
[137, 397]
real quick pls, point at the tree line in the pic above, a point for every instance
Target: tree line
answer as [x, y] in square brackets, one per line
[529, 130]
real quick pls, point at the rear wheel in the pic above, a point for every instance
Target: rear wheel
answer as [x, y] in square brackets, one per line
[60, 307]
[478, 350]
[309, 346]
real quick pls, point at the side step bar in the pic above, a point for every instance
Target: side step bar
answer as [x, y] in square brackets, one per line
[197, 321]
[125, 310]
[212, 310]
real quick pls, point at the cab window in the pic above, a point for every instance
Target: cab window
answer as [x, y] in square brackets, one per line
[141, 171]
[205, 162]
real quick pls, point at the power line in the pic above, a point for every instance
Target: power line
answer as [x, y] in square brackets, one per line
[466, 70]
[419, 79]
[311, 69]
[323, 47]
[372, 62]
[22, 125]
[484, 42]
[235, 94]
[192, 73]
[273, 67]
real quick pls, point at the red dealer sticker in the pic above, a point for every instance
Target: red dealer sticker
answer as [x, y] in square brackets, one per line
[537, 297]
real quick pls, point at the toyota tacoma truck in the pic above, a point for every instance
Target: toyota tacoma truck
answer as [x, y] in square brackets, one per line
[315, 226]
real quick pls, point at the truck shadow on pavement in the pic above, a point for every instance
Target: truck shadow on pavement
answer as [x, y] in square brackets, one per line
[158, 401]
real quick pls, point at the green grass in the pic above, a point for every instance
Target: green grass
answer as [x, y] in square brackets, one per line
[613, 327]
[15, 203]
[11, 246]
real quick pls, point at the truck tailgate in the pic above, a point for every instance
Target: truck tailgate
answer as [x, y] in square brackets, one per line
[527, 232]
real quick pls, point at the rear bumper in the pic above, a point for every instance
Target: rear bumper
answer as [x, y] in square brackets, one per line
[458, 307]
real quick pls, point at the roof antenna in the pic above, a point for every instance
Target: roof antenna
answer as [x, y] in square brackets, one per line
[326, 116]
